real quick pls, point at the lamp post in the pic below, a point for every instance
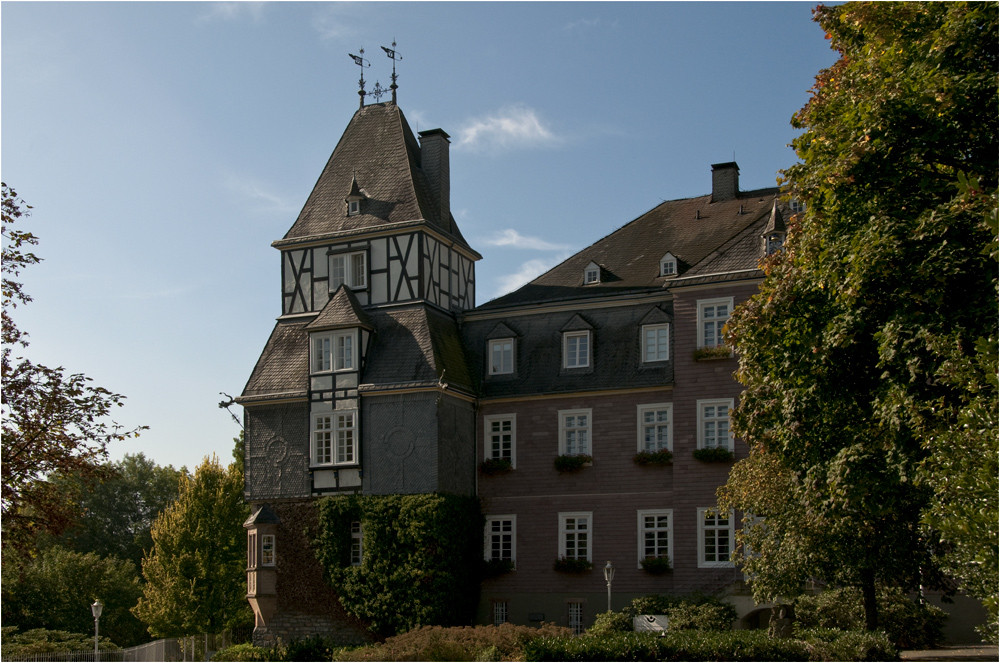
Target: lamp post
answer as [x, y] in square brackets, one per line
[96, 609]
[609, 575]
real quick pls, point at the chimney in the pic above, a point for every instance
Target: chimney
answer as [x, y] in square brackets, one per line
[725, 181]
[434, 162]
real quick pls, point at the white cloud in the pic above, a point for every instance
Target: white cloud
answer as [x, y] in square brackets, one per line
[527, 272]
[511, 238]
[228, 11]
[582, 24]
[510, 127]
[256, 195]
[340, 21]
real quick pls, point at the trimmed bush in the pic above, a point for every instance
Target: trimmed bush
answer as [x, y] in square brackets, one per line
[908, 624]
[686, 611]
[611, 622]
[468, 643]
[247, 652]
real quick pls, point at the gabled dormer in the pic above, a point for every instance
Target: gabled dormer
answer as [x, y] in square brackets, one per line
[591, 274]
[775, 231]
[669, 265]
[355, 197]
[338, 337]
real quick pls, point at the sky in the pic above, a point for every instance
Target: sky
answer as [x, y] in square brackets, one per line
[164, 146]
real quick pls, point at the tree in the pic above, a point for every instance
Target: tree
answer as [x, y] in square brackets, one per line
[54, 591]
[848, 352]
[52, 422]
[118, 511]
[195, 572]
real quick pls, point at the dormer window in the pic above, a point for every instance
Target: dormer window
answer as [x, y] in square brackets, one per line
[775, 242]
[668, 265]
[353, 207]
[796, 206]
[354, 198]
[592, 274]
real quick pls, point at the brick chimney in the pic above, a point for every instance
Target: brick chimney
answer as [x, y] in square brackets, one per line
[725, 181]
[434, 162]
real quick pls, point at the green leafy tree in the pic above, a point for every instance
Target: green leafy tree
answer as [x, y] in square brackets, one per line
[118, 511]
[52, 422]
[195, 572]
[849, 350]
[54, 590]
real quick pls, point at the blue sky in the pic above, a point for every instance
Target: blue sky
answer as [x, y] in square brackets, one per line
[165, 145]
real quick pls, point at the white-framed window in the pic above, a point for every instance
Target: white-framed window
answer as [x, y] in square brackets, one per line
[576, 349]
[501, 539]
[353, 207]
[713, 424]
[501, 437]
[501, 352]
[333, 351]
[574, 616]
[656, 535]
[349, 269]
[655, 426]
[574, 432]
[251, 549]
[334, 438]
[655, 342]
[322, 435]
[713, 314]
[267, 552]
[575, 535]
[501, 612]
[796, 206]
[357, 546]
[591, 274]
[715, 537]
[668, 265]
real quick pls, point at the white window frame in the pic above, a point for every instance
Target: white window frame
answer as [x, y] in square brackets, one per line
[490, 536]
[668, 265]
[565, 531]
[251, 549]
[656, 330]
[497, 346]
[322, 438]
[488, 436]
[578, 358]
[357, 543]
[591, 274]
[353, 207]
[704, 305]
[703, 422]
[574, 616]
[585, 448]
[345, 437]
[327, 352]
[641, 411]
[353, 270]
[704, 527]
[642, 529]
[501, 612]
[268, 551]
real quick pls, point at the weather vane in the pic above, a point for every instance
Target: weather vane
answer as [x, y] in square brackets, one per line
[393, 55]
[361, 62]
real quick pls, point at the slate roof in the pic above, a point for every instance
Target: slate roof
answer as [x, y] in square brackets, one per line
[379, 156]
[692, 229]
[282, 371]
[343, 311]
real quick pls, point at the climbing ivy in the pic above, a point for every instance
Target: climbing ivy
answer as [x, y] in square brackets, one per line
[421, 558]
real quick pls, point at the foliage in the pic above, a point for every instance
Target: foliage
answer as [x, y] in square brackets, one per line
[493, 568]
[247, 652]
[908, 624]
[52, 422]
[693, 645]
[695, 611]
[713, 455]
[313, 648]
[421, 558]
[571, 565]
[661, 457]
[656, 565]
[118, 511]
[54, 590]
[195, 572]
[713, 352]
[492, 466]
[572, 462]
[882, 288]
[467, 643]
[44, 641]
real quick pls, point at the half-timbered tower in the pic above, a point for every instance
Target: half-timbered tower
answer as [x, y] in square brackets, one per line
[363, 384]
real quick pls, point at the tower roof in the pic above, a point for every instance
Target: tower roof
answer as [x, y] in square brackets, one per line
[379, 155]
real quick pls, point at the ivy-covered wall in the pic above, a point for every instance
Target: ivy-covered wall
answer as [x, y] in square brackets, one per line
[421, 558]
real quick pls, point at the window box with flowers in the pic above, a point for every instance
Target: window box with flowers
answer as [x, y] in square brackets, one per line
[656, 565]
[709, 353]
[494, 568]
[573, 462]
[714, 455]
[571, 565]
[492, 466]
[661, 457]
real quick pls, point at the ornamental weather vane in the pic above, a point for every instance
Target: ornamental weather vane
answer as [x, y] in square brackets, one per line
[378, 91]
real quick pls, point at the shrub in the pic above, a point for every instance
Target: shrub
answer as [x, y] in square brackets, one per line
[313, 648]
[611, 622]
[247, 652]
[661, 457]
[465, 643]
[568, 565]
[44, 641]
[571, 463]
[908, 624]
[714, 455]
[656, 565]
[686, 611]
[827, 644]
